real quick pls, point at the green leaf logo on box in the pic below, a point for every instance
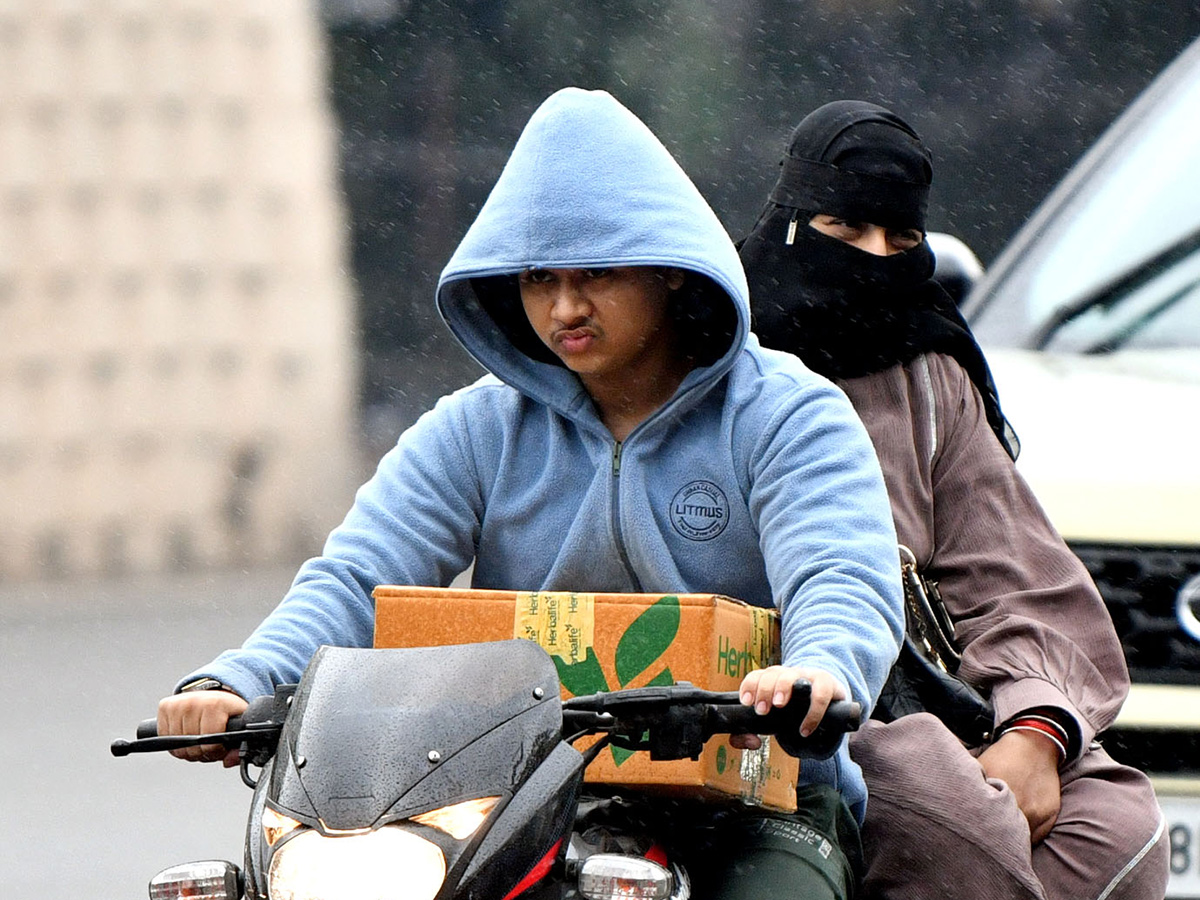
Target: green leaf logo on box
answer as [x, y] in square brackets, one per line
[643, 643]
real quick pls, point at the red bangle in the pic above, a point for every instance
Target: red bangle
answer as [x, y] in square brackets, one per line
[1044, 726]
[1045, 721]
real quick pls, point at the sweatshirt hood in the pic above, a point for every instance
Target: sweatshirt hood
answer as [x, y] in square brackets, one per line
[588, 185]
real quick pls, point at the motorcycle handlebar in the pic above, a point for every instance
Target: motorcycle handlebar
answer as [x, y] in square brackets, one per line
[260, 724]
[673, 721]
[841, 716]
[148, 728]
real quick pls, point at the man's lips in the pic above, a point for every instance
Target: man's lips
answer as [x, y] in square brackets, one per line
[574, 340]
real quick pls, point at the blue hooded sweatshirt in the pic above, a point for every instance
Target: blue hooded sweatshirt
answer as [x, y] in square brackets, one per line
[756, 480]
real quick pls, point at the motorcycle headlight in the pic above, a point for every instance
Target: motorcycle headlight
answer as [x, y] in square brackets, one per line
[388, 864]
[461, 820]
[276, 825]
[611, 877]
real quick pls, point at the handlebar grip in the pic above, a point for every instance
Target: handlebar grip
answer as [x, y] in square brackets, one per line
[840, 717]
[844, 715]
[148, 728]
[739, 719]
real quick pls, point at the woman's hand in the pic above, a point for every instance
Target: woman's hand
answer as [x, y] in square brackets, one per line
[1028, 764]
[200, 712]
[772, 686]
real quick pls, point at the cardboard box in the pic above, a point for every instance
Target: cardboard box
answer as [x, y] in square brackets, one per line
[603, 642]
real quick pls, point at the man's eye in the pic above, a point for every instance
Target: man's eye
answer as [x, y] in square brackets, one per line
[597, 273]
[534, 276]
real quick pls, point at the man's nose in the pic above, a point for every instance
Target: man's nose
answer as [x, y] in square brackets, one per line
[570, 300]
[874, 240]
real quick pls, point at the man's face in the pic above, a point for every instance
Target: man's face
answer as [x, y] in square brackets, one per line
[603, 322]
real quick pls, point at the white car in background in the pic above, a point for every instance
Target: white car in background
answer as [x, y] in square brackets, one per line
[1090, 320]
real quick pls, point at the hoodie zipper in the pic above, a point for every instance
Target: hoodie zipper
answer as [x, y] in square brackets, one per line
[618, 446]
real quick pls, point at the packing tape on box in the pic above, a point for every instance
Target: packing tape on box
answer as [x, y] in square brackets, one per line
[563, 623]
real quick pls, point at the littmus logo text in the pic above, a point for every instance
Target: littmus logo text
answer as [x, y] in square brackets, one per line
[699, 511]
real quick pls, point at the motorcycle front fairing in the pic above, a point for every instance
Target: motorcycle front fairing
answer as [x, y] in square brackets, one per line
[439, 771]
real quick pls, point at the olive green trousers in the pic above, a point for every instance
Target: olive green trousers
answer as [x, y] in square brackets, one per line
[812, 854]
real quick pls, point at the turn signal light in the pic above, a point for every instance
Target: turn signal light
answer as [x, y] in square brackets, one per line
[608, 876]
[210, 879]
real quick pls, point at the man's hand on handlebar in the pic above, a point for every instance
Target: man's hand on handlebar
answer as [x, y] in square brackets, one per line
[200, 712]
[772, 686]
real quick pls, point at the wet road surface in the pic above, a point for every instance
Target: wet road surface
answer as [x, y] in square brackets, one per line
[82, 664]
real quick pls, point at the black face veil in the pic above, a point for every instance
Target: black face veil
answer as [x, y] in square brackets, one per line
[844, 311]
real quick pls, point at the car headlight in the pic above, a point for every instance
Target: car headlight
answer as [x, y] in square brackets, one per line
[387, 864]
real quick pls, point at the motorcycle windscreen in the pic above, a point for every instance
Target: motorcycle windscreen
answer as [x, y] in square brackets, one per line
[379, 735]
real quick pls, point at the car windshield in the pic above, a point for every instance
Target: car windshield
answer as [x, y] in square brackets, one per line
[1118, 264]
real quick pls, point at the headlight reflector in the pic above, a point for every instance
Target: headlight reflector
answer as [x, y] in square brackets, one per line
[275, 825]
[608, 876]
[460, 820]
[388, 864]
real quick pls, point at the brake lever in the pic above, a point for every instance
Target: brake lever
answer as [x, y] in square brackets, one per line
[268, 734]
[256, 730]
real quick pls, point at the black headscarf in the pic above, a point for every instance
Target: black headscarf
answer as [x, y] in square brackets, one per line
[844, 311]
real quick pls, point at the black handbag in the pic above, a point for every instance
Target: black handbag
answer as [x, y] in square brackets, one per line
[923, 678]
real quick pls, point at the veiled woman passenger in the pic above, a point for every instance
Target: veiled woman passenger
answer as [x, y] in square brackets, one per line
[840, 275]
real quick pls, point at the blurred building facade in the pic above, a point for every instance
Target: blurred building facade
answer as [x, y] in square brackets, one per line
[176, 319]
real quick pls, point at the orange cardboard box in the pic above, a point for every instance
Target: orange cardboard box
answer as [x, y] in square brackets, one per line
[603, 642]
